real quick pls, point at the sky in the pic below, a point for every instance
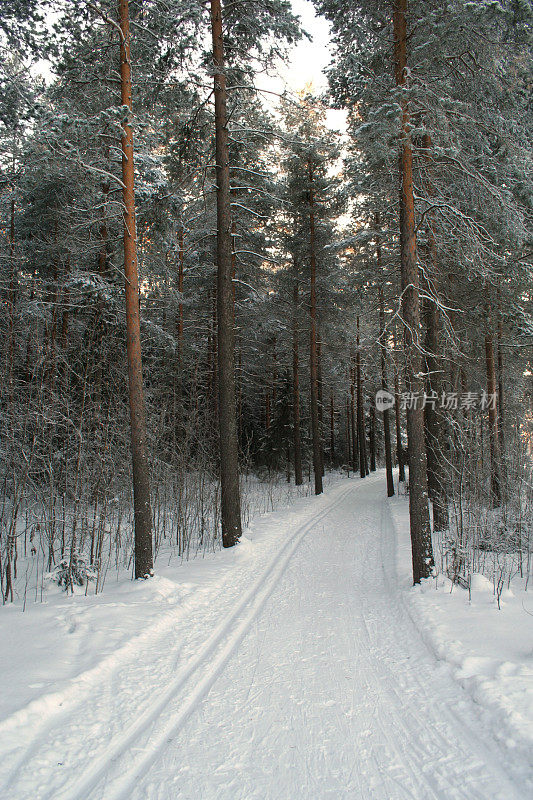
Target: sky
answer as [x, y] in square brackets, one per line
[309, 59]
[307, 62]
[305, 68]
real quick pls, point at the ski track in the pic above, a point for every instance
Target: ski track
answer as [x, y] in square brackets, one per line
[302, 677]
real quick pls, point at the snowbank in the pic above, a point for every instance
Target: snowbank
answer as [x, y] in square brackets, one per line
[489, 650]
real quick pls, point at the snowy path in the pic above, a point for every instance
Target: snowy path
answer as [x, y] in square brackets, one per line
[300, 677]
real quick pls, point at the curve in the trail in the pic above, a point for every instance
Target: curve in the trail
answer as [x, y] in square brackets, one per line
[332, 692]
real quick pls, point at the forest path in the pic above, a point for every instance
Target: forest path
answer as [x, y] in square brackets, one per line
[296, 675]
[332, 693]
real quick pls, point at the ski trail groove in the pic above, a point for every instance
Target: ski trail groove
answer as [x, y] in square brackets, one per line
[303, 678]
[256, 597]
[333, 694]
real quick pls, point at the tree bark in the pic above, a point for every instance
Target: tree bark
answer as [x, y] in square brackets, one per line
[386, 415]
[397, 410]
[315, 425]
[267, 409]
[361, 435]
[11, 314]
[212, 354]
[297, 443]
[181, 259]
[348, 435]
[372, 438]
[495, 485]
[141, 475]
[355, 448]
[422, 549]
[501, 431]
[397, 415]
[434, 427]
[227, 413]
[332, 428]
[320, 399]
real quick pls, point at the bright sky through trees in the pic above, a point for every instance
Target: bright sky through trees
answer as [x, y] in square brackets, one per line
[307, 62]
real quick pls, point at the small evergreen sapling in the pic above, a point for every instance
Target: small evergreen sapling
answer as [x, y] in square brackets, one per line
[73, 572]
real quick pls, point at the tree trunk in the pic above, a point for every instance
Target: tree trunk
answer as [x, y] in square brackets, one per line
[372, 438]
[141, 475]
[422, 550]
[11, 540]
[355, 448]
[212, 354]
[297, 443]
[386, 416]
[361, 435]
[227, 411]
[315, 425]
[501, 431]
[397, 415]
[348, 435]
[320, 400]
[267, 409]
[332, 429]
[181, 259]
[11, 318]
[434, 427]
[495, 486]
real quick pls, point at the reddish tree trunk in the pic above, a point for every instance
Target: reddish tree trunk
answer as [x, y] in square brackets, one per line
[372, 438]
[141, 479]
[227, 411]
[320, 402]
[348, 435]
[398, 418]
[421, 545]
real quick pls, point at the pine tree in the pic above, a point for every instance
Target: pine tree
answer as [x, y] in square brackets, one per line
[141, 477]
[227, 412]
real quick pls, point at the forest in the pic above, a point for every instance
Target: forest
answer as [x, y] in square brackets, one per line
[266, 405]
[208, 298]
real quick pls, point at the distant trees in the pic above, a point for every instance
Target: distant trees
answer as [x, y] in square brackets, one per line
[284, 274]
[312, 199]
[436, 121]
[62, 274]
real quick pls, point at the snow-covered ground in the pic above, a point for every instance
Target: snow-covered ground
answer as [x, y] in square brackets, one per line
[298, 666]
[488, 646]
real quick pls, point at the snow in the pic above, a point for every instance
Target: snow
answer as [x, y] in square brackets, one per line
[300, 664]
[489, 649]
